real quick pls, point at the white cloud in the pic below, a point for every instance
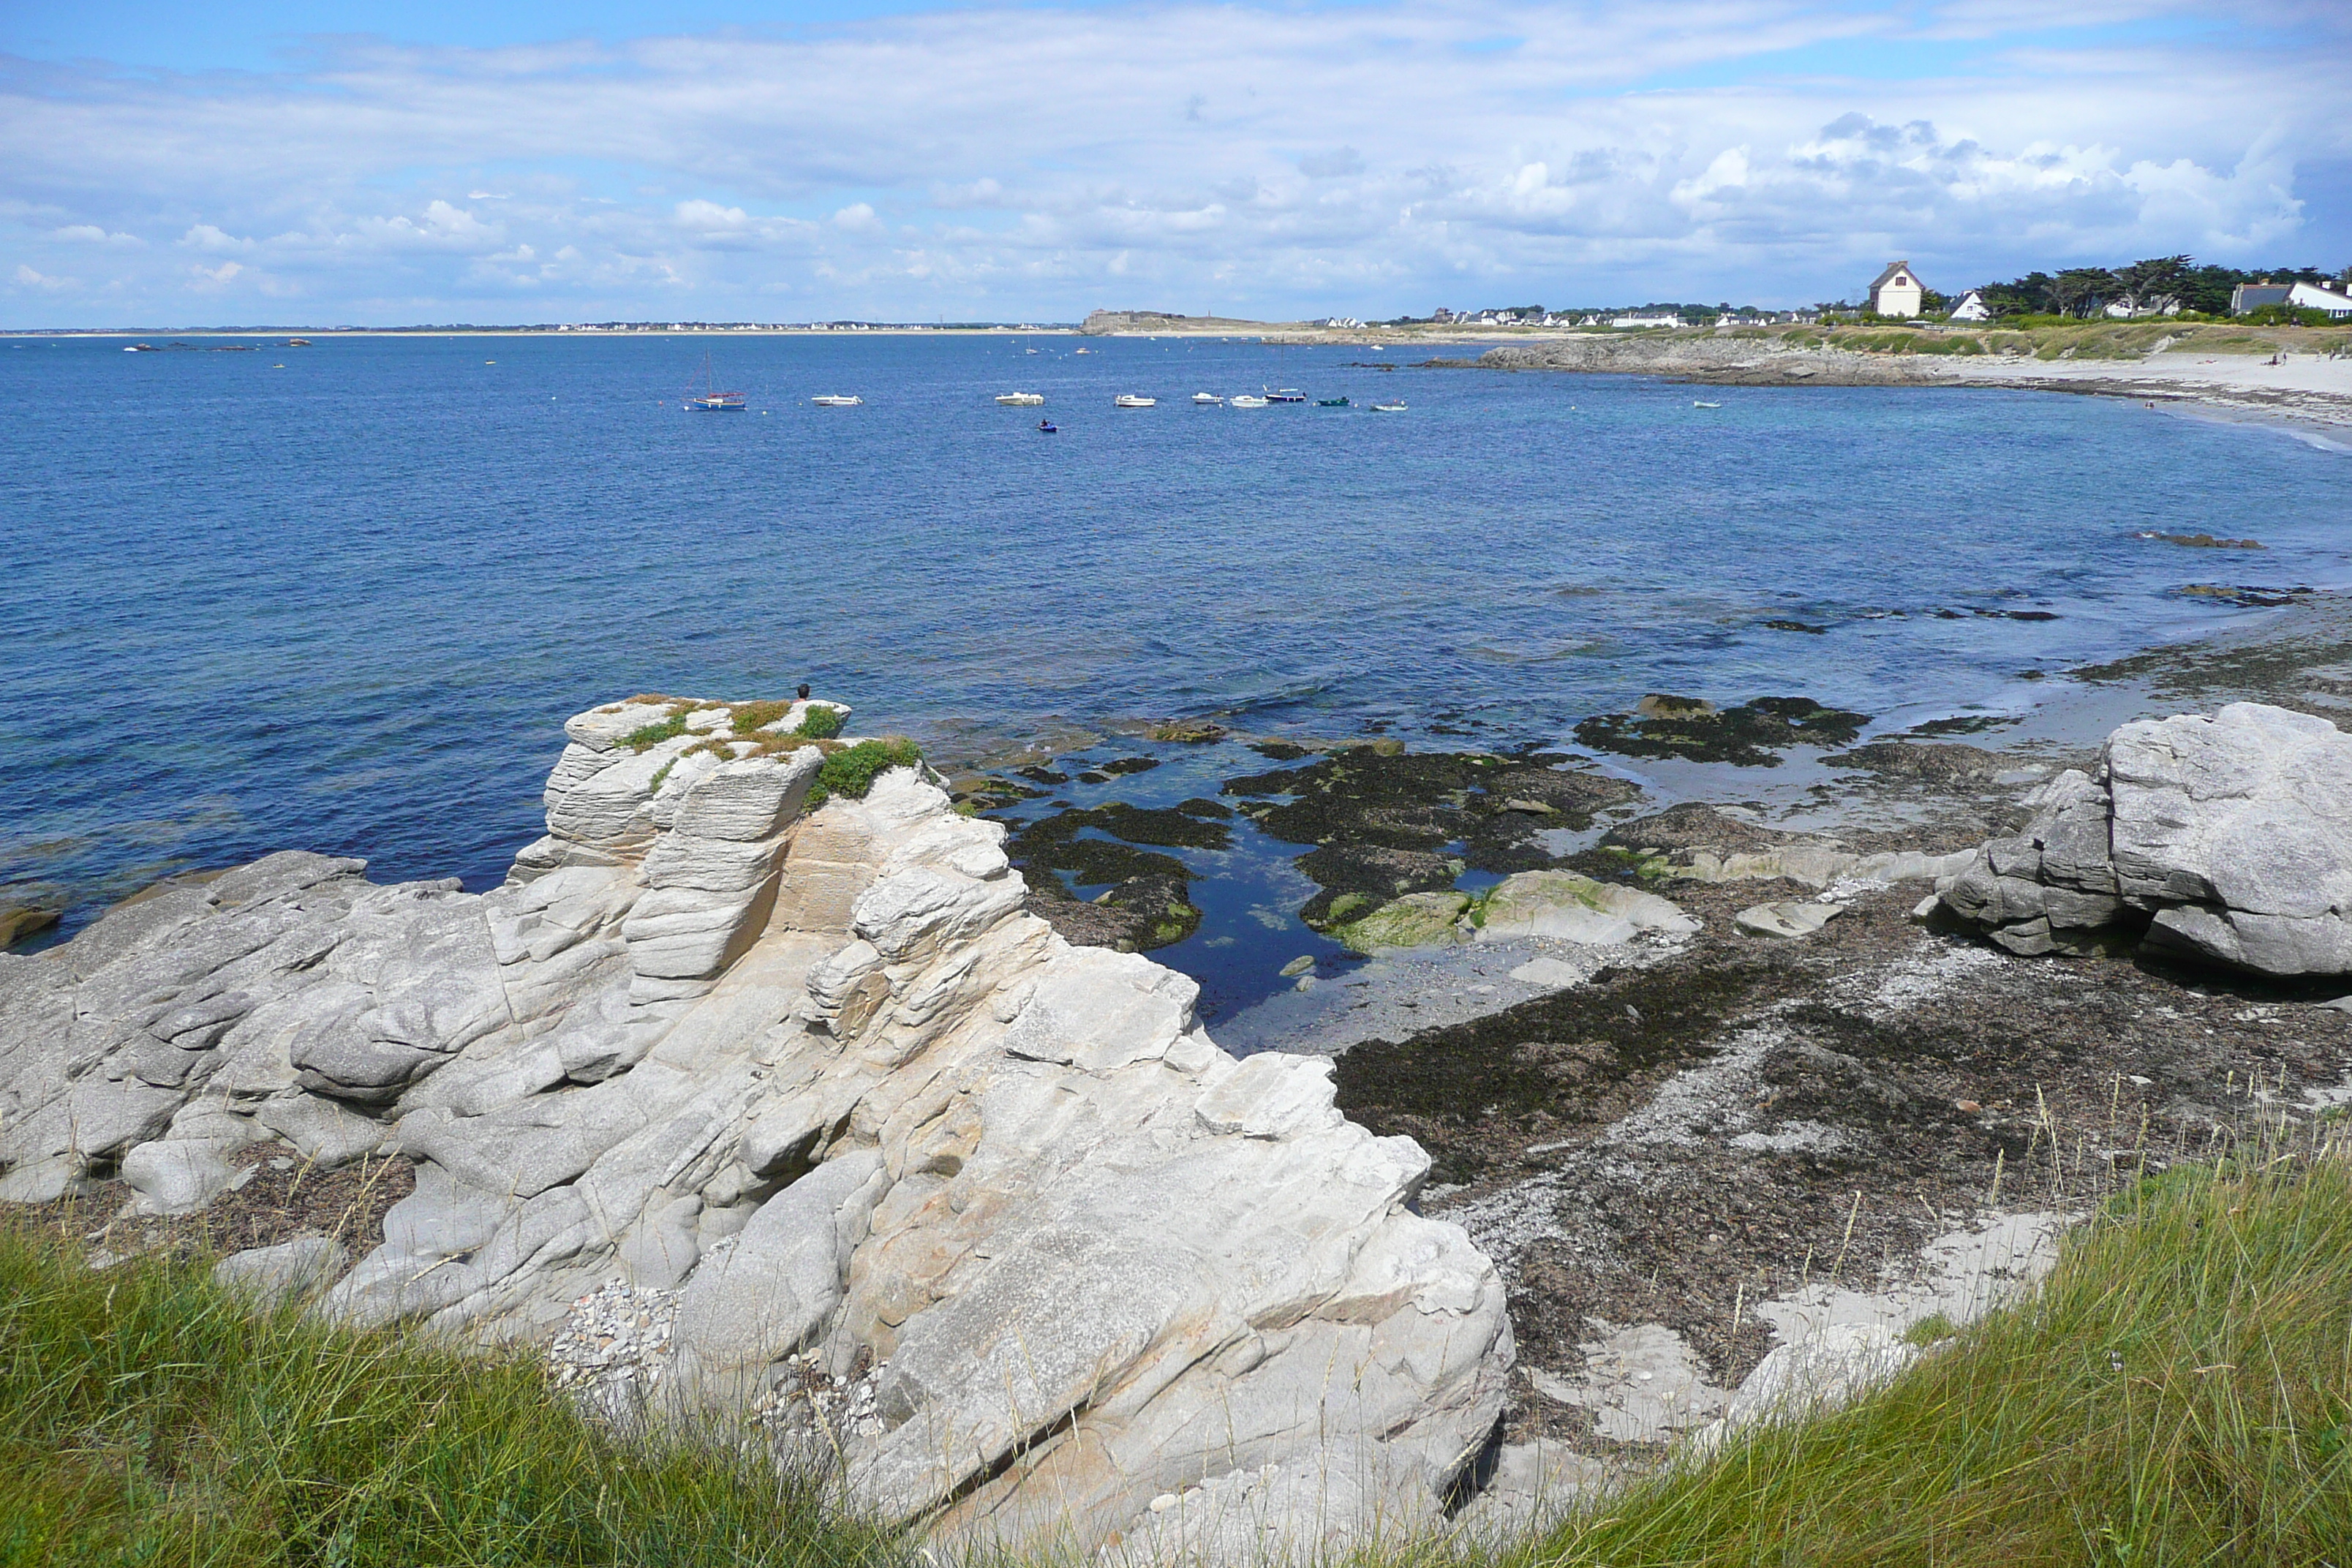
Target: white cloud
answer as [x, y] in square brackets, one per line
[26, 278]
[209, 237]
[1038, 162]
[91, 234]
[710, 218]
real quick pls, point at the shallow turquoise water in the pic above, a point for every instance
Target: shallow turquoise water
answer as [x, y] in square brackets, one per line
[345, 604]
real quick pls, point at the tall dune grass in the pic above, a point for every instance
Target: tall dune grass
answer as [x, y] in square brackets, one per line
[2178, 1392]
[149, 1417]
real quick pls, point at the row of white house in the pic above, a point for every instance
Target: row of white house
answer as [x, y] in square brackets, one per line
[1898, 291]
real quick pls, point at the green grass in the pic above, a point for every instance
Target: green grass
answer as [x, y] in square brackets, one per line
[819, 723]
[147, 1417]
[2179, 1392]
[852, 770]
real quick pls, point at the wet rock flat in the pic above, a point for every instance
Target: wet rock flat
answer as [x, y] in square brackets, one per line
[1750, 734]
[1684, 1144]
[1389, 823]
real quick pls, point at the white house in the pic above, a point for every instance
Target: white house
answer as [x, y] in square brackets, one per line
[2320, 297]
[2248, 296]
[1632, 321]
[1896, 291]
[1972, 308]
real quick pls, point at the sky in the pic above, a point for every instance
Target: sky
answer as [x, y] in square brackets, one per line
[378, 163]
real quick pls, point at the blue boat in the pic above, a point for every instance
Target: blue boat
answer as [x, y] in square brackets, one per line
[1047, 427]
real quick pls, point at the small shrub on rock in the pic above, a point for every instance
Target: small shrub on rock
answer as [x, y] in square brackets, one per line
[821, 723]
[852, 770]
[652, 735]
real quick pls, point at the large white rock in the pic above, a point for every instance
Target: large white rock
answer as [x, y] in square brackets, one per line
[822, 1076]
[2228, 838]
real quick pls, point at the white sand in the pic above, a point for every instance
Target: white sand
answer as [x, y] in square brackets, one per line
[2310, 387]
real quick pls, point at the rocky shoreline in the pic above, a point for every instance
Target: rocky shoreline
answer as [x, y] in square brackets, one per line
[1655, 1108]
[1686, 1154]
[2312, 386]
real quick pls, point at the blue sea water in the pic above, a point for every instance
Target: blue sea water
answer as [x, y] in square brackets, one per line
[340, 597]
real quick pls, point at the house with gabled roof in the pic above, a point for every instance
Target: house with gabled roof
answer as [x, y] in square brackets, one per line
[1898, 291]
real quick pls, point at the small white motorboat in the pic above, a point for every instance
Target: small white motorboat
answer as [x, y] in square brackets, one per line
[1206, 399]
[1696, 403]
[1129, 400]
[1021, 399]
[835, 400]
[1246, 400]
[1388, 407]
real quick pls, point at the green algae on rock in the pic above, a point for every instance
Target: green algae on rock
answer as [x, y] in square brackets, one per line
[1417, 920]
[1148, 902]
[1386, 823]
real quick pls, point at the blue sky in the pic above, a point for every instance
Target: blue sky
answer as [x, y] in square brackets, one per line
[737, 160]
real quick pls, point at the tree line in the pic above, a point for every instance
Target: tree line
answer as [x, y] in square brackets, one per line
[2158, 285]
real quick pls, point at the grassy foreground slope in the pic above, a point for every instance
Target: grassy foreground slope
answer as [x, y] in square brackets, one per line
[2179, 1392]
[147, 1418]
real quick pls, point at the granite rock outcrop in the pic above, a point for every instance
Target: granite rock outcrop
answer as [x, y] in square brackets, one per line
[2227, 840]
[816, 1073]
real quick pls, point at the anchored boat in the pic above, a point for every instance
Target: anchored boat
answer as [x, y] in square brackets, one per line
[835, 400]
[1285, 394]
[1129, 400]
[1247, 400]
[1333, 402]
[1021, 399]
[1388, 407]
[1206, 399]
[709, 400]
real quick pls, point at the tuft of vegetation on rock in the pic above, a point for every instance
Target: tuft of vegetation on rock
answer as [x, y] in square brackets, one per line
[851, 771]
[749, 717]
[646, 737]
[821, 723]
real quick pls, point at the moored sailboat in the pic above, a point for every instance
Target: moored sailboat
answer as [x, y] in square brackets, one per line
[710, 399]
